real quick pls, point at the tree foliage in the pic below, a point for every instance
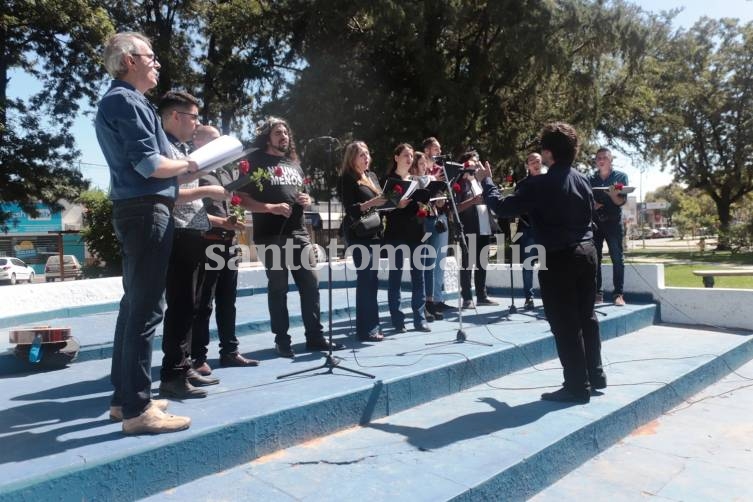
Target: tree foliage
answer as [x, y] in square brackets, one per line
[703, 125]
[57, 43]
[98, 233]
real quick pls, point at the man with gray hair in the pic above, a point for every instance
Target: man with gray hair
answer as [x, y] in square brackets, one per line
[143, 187]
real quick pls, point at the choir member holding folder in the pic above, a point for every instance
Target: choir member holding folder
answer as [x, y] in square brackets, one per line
[403, 232]
[361, 196]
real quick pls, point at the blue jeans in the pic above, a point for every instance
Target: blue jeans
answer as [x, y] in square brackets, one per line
[610, 231]
[278, 260]
[367, 287]
[144, 229]
[526, 240]
[434, 274]
[418, 295]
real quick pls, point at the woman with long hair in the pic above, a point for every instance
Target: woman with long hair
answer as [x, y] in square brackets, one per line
[403, 233]
[433, 273]
[360, 194]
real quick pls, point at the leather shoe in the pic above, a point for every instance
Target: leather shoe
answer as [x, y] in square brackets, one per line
[116, 412]
[567, 396]
[442, 306]
[200, 381]
[323, 345]
[155, 421]
[400, 328]
[284, 350]
[374, 337]
[422, 327]
[236, 360]
[203, 369]
[486, 301]
[180, 388]
[432, 308]
[599, 382]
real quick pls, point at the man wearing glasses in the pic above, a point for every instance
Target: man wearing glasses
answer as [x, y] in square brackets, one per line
[143, 187]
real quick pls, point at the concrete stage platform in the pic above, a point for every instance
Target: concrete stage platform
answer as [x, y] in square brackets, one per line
[56, 435]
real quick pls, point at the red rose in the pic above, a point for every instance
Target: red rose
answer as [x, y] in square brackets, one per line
[619, 186]
[278, 172]
[422, 213]
[456, 187]
[468, 164]
[306, 181]
[244, 167]
[509, 178]
[398, 189]
[236, 200]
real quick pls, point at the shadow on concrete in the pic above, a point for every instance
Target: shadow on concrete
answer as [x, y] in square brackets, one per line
[39, 429]
[472, 425]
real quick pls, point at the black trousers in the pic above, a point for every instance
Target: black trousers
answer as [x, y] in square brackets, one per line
[473, 259]
[277, 259]
[219, 287]
[568, 289]
[185, 275]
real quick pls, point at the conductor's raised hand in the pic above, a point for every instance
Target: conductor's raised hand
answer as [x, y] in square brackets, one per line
[483, 172]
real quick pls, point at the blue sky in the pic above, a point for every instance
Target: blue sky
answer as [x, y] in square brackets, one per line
[94, 167]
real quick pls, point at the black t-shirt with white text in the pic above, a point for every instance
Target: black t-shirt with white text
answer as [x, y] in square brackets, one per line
[284, 181]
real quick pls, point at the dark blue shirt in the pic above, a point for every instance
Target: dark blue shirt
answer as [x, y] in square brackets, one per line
[559, 204]
[132, 140]
[610, 211]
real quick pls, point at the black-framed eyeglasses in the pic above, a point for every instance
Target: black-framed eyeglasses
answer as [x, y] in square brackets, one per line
[150, 57]
[194, 116]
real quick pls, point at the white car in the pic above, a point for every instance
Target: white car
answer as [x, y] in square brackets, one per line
[13, 270]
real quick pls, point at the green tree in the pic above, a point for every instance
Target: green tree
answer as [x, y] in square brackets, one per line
[58, 44]
[98, 233]
[703, 125]
[482, 74]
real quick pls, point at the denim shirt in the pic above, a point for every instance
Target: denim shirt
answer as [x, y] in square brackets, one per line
[559, 203]
[132, 140]
[610, 211]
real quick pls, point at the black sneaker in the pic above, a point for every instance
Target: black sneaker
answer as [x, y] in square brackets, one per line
[566, 396]
[528, 305]
[323, 345]
[428, 315]
[468, 304]
[285, 350]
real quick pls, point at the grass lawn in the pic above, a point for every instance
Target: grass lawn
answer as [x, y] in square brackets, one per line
[679, 273]
[681, 276]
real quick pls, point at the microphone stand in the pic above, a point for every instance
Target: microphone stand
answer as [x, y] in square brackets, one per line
[457, 225]
[330, 361]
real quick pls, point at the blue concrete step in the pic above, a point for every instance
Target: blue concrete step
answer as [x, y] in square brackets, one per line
[59, 444]
[94, 326]
[698, 451]
[495, 441]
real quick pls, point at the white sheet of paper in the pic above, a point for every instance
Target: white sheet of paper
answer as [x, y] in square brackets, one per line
[217, 153]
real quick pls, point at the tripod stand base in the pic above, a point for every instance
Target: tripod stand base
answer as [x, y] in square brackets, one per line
[330, 363]
[461, 337]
